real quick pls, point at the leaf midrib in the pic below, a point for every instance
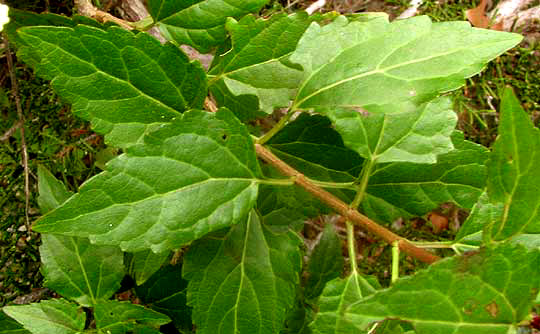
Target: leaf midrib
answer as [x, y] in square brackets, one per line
[378, 70]
[143, 94]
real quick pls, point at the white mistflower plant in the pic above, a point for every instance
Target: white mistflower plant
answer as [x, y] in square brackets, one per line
[4, 17]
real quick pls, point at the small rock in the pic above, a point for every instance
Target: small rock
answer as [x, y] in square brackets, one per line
[22, 228]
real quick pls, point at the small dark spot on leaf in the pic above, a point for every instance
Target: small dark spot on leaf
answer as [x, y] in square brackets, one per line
[493, 309]
[224, 136]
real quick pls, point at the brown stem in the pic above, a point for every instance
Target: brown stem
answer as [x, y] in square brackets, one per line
[343, 208]
[15, 89]
[86, 8]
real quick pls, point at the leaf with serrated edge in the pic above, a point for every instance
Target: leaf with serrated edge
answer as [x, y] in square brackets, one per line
[398, 133]
[199, 23]
[408, 189]
[376, 62]
[78, 270]
[49, 316]
[243, 280]
[325, 263]
[257, 62]
[337, 296]
[117, 317]
[398, 189]
[153, 195]
[125, 84]
[486, 292]
[514, 172]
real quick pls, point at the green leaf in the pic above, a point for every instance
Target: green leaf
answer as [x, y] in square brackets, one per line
[52, 192]
[145, 263]
[483, 292]
[10, 326]
[78, 270]
[199, 23]
[310, 145]
[514, 175]
[245, 106]
[483, 214]
[193, 176]
[403, 189]
[114, 317]
[337, 296]
[243, 280]
[49, 316]
[166, 292]
[381, 63]
[258, 63]
[125, 84]
[325, 263]
[398, 189]
[395, 133]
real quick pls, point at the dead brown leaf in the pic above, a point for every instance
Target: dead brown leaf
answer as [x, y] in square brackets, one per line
[478, 18]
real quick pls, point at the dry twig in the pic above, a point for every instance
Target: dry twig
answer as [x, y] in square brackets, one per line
[15, 92]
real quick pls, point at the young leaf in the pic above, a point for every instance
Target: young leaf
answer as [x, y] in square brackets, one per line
[483, 292]
[49, 316]
[243, 280]
[325, 263]
[116, 317]
[337, 296]
[123, 83]
[514, 175]
[78, 270]
[402, 132]
[258, 63]
[483, 214]
[166, 292]
[52, 192]
[145, 263]
[380, 63]
[193, 176]
[199, 23]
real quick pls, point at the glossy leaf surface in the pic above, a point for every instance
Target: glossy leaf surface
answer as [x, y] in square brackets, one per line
[151, 196]
[393, 133]
[258, 62]
[483, 292]
[199, 23]
[49, 316]
[337, 296]
[243, 280]
[116, 317]
[123, 83]
[325, 263]
[376, 62]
